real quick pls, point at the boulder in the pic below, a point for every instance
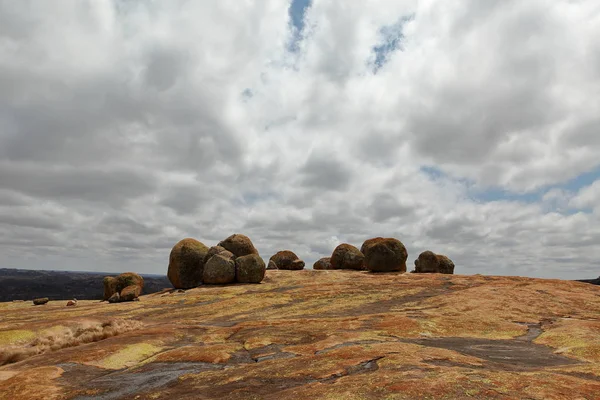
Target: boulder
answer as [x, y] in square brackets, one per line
[130, 293]
[220, 269]
[272, 265]
[369, 243]
[71, 303]
[346, 256]
[431, 263]
[249, 269]
[385, 255]
[323, 263]
[240, 245]
[110, 286]
[186, 263]
[287, 260]
[40, 301]
[212, 251]
[115, 298]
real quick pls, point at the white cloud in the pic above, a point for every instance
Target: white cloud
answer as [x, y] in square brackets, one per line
[125, 126]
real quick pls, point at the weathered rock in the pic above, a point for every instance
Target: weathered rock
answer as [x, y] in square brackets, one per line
[249, 269]
[130, 293]
[346, 256]
[212, 251]
[272, 265]
[186, 263]
[220, 269]
[369, 243]
[71, 303]
[40, 301]
[385, 255]
[323, 263]
[115, 298]
[240, 245]
[110, 286]
[431, 263]
[287, 260]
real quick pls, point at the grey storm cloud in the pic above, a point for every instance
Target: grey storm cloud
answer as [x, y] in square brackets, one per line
[126, 126]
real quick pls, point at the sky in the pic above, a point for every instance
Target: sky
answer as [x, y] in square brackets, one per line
[470, 128]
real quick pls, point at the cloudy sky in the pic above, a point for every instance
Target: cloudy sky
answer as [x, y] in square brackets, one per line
[467, 127]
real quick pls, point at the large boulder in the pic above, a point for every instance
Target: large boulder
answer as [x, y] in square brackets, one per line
[288, 260]
[323, 263]
[186, 263]
[346, 256]
[369, 243]
[116, 284]
[240, 245]
[249, 269]
[220, 269]
[385, 255]
[431, 263]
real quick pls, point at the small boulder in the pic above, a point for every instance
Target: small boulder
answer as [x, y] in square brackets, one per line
[40, 301]
[249, 269]
[212, 251]
[130, 293]
[385, 255]
[240, 245]
[115, 298]
[186, 263]
[323, 263]
[71, 303]
[220, 269]
[287, 260]
[272, 265]
[346, 256]
[431, 263]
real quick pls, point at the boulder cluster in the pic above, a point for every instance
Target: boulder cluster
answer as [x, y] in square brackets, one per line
[383, 255]
[234, 259]
[125, 287]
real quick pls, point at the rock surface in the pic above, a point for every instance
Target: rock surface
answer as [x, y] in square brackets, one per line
[431, 263]
[287, 260]
[322, 264]
[313, 335]
[186, 263]
[385, 255]
[240, 245]
[249, 269]
[220, 269]
[346, 256]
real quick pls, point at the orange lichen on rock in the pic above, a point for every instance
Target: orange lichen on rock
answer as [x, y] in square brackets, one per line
[315, 334]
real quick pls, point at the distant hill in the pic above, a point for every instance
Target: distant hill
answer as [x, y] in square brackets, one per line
[21, 284]
[592, 281]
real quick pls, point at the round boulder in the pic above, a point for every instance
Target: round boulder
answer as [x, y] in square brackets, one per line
[385, 255]
[288, 260]
[431, 263]
[240, 245]
[40, 301]
[220, 269]
[369, 243]
[249, 269]
[346, 256]
[130, 293]
[323, 263]
[212, 251]
[186, 263]
[110, 286]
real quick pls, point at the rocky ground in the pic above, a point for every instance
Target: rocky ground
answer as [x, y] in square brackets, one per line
[313, 335]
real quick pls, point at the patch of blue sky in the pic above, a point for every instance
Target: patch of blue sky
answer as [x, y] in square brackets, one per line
[490, 194]
[392, 38]
[297, 13]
